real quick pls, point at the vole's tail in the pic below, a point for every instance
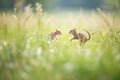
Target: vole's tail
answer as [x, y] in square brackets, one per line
[89, 36]
[93, 32]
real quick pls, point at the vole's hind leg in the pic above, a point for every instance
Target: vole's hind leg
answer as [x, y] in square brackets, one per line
[81, 42]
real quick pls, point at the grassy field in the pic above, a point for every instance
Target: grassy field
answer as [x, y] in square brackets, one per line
[27, 54]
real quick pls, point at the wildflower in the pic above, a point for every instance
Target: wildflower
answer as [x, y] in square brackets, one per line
[68, 66]
[39, 51]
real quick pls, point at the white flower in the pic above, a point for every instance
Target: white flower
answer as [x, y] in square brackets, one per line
[52, 50]
[68, 66]
[39, 51]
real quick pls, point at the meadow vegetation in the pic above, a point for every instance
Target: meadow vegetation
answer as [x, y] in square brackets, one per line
[27, 54]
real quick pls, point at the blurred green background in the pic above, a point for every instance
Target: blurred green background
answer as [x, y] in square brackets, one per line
[26, 53]
[62, 4]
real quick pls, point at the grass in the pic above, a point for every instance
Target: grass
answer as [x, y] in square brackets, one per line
[26, 53]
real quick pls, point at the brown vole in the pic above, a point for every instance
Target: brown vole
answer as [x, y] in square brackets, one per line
[80, 36]
[53, 35]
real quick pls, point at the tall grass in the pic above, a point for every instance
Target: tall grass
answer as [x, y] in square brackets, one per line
[27, 54]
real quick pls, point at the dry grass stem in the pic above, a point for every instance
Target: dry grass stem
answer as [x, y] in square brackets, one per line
[104, 17]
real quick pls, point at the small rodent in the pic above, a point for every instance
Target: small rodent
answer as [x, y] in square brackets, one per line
[79, 36]
[53, 35]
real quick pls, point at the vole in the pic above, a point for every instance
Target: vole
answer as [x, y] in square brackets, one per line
[54, 34]
[79, 36]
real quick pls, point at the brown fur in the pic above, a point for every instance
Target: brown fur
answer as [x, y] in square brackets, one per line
[53, 35]
[80, 36]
